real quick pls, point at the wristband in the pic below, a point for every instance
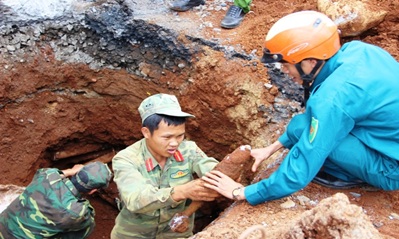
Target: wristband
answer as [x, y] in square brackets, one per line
[236, 192]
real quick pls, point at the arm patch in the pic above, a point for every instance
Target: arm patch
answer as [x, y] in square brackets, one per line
[314, 126]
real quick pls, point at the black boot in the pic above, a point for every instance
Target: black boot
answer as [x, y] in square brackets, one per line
[185, 5]
[330, 181]
[233, 17]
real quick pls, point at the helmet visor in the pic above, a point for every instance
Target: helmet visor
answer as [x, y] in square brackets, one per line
[269, 57]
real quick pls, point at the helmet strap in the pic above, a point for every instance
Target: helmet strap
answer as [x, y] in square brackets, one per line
[307, 78]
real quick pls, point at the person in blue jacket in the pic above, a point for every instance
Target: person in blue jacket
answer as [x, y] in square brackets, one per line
[349, 133]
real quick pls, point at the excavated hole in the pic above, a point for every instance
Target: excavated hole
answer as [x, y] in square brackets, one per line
[68, 152]
[72, 86]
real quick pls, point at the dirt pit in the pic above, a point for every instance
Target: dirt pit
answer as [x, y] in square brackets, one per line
[48, 106]
[379, 206]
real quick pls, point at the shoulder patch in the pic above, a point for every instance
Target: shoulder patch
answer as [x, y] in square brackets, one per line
[314, 126]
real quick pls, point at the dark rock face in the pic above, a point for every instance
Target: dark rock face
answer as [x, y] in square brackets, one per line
[133, 41]
[103, 36]
[287, 87]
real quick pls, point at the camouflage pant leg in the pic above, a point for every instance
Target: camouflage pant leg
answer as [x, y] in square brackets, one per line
[4, 234]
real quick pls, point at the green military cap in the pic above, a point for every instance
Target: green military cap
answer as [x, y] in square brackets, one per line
[92, 176]
[163, 104]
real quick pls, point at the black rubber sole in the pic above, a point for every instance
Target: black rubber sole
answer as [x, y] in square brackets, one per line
[329, 181]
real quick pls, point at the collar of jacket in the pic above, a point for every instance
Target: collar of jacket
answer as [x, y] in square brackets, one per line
[149, 163]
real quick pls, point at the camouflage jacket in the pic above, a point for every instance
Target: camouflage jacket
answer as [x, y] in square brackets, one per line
[50, 207]
[145, 189]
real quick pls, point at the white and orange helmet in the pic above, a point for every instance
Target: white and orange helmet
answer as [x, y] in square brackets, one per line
[301, 35]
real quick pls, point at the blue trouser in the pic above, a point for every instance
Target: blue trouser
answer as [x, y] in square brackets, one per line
[244, 4]
[352, 159]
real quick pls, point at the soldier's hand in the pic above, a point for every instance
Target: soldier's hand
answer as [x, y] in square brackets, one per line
[195, 191]
[72, 171]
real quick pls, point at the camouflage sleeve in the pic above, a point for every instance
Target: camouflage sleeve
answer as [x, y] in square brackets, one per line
[83, 233]
[81, 225]
[138, 194]
[201, 163]
[75, 215]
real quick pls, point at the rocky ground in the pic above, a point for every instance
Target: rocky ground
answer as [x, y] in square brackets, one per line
[71, 88]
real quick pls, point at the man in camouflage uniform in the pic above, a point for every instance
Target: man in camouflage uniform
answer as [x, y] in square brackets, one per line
[51, 206]
[155, 176]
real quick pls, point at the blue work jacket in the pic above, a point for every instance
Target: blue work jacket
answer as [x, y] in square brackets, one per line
[356, 92]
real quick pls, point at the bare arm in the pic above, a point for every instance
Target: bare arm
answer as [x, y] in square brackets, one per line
[72, 171]
[263, 153]
[223, 184]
